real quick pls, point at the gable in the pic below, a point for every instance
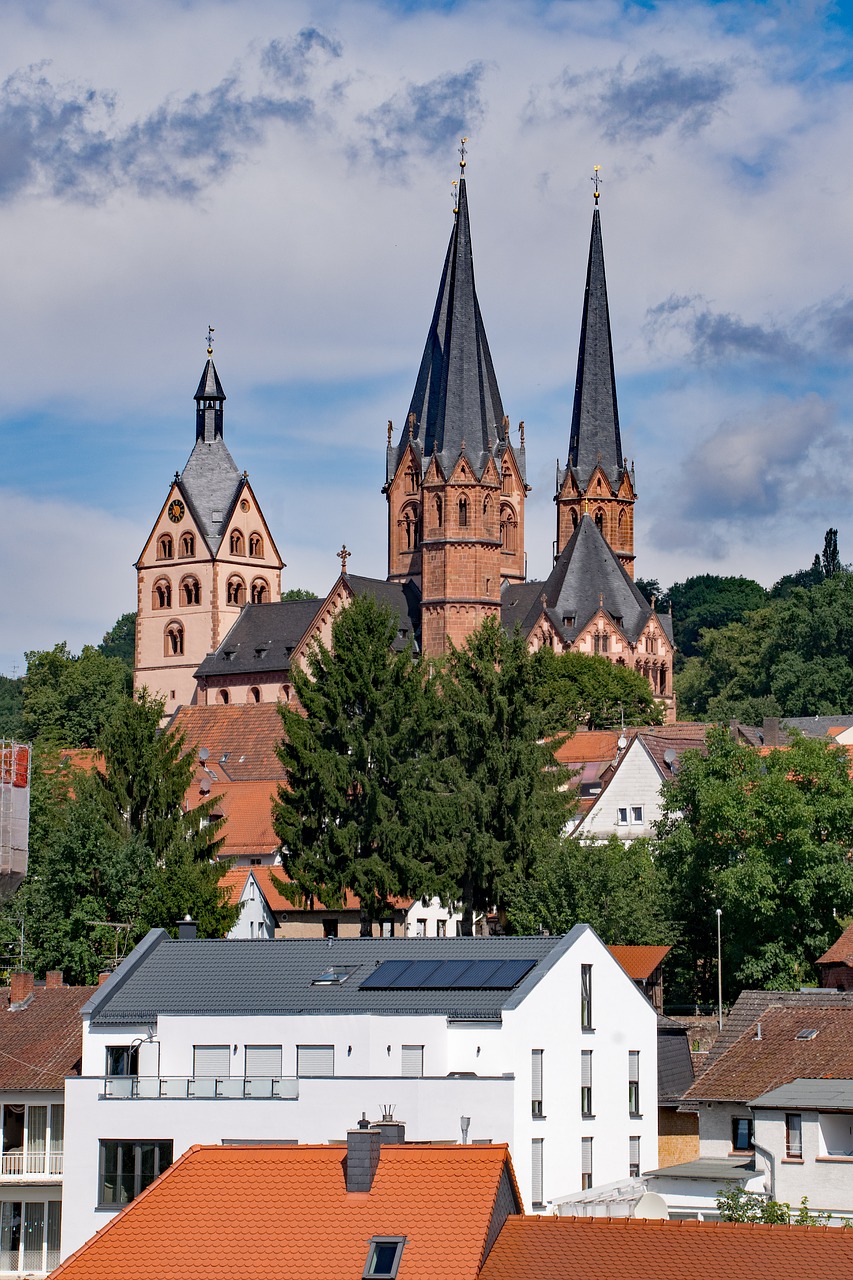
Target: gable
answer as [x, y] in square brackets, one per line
[246, 519]
[187, 523]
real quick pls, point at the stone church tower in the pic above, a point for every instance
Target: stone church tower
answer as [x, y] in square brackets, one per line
[455, 483]
[209, 553]
[596, 479]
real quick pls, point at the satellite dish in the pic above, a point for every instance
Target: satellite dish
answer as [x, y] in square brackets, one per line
[622, 742]
[651, 1205]
[204, 786]
[204, 754]
[669, 755]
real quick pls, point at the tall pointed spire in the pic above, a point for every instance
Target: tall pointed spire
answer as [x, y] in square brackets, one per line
[456, 401]
[595, 434]
[209, 399]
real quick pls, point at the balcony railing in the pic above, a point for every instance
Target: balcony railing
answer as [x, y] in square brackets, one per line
[207, 1087]
[20, 1164]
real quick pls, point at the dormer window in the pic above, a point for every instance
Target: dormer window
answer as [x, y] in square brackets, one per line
[383, 1257]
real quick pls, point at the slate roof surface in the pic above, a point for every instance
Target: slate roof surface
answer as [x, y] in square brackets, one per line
[41, 1044]
[283, 1213]
[247, 809]
[644, 1249]
[210, 482]
[403, 598]
[807, 1094]
[212, 976]
[841, 951]
[241, 739]
[751, 1005]
[816, 726]
[752, 1066]
[675, 1062]
[262, 639]
[639, 962]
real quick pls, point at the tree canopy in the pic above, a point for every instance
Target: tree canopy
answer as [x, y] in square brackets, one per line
[120, 640]
[68, 698]
[708, 601]
[579, 689]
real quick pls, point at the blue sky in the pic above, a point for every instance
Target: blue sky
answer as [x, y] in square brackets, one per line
[282, 171]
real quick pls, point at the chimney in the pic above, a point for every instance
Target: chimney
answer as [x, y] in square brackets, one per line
[20, 989]
[770, 730]
[53, 978]
[363, 1148]
[391, 1131]
[102, 977]
[187, 929]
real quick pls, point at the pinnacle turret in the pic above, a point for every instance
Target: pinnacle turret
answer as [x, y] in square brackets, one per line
[209, 399]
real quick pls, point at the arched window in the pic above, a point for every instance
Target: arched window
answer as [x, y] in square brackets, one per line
[236, 591]
[411, 529]
[463, 513]
[161, 595]
[173, 640]
[599, 522]
[256, 545]
[601, 642]
[187, 544]
[506, 480]
[190, 591]
[238, 546]
[509, 529]
[223, 697]
[253, 694]
[487, 502]
[260, 591]
[165, 547]
[574, 519]
[621, 521]
[411, 480]
[439, 511]
[284, 693]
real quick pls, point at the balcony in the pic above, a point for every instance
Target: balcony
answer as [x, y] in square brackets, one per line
[32, 1164]
[284, 1088]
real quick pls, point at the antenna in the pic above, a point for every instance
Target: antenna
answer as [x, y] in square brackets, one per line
[669, 756]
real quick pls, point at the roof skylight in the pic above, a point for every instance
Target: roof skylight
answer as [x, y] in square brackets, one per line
[335, 976]
[383, 1257]
[808, 1033]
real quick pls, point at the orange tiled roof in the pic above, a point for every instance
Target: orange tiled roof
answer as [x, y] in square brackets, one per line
[750, 1066]
[283, 1213]
[644, 1249]
[41, 1044]
[248, 733]
[592, 744]
[639, 962]
[247, 809]
[235, 880]
[841, 951]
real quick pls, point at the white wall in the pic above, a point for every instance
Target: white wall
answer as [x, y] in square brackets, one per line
[826, 1180]
[636, 782]
[255, 919]
[422, 921]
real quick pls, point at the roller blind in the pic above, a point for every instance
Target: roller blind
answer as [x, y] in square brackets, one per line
[536, 1074]
[586, 1068]
[263, 1059]
[315, 1060]
[536, 1172]
[634, 1151]
[413, 1059]
[211, 1060]
[586, 1156]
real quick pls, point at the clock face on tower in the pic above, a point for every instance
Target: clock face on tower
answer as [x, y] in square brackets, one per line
[176, 510]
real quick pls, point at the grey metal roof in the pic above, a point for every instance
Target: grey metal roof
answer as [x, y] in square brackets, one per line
[816, 726]
[224, 977]
[708, 1167]
[594, 433]
[456, 402]
[262, 639]
[675, 1064]
[209, 386]
[809, 1095]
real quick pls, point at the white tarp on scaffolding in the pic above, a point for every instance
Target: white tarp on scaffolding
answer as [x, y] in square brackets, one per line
[15, 761]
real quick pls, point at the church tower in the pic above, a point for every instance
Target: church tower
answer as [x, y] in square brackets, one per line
[596, 479]
[209, 553]
[455, 483]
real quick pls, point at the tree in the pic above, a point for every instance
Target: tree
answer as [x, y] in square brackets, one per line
[11, 706]
[357, 810]
[574, 689]
[68, 698]
[767, 840]
[615, 887]
[653, 591]
[120, 640]
[736, 1204]
[708, 601]
[298, 593]
[830, 561]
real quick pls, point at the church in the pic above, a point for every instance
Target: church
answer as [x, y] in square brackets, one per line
[211, 628]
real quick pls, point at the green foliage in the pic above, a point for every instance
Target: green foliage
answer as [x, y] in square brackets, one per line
[735, 1204]
[652, 590]
[767, 840]
[120, 640]
[574, 689]
[805, 578]
[11, 706]
[614, 887]
[357, 812]
[830, 561]
[68, 698]
[709, 601]
[298, 593]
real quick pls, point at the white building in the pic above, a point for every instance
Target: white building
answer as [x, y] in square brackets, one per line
[543, 1043]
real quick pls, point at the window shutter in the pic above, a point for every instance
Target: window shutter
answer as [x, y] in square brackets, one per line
[634, 1152]
[211, 1060]
[536, 1178]
[263, 1060]
[634, 1066]
[586, 1068]
[586, 1156]
[413, 1059]
[536, 1075]
[315, 1060]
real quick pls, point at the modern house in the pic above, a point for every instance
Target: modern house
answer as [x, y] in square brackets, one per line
[542, 1043]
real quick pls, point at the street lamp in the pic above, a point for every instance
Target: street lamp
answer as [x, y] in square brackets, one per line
[719, 972]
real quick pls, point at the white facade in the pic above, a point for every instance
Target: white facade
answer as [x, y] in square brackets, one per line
[31, 1170]
[427, 918]
[256, 918]
[823, 1171]
[630, 805]
[488, 1071]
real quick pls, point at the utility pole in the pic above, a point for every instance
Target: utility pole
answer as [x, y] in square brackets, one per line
[719, 971]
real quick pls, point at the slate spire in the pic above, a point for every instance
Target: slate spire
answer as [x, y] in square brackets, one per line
[595, 416]
[456, 402]
[209, 399]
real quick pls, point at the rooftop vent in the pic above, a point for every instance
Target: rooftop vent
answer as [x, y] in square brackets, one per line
[808, 1033]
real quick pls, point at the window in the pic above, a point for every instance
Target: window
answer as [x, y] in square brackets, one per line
[636, 813]
[586, 1082]
[634, 1082]
[173, 640]
[161, 595]
[330, 927]
[439, 512]
[509, 528]
[537, 1170]
[31, 1139]
[599, 519]
[253, 694]
[127, 1168]
[190, 591]
[256, 545]
[165, 547]
[586, 997]
[622, 816]
[633, 1157]
[223, 697]
[601, 642]
[441, 928]
[463, 513]
[794, 1136]
[741, 1133]
[238, 547]
[411, 480]
[187, 544]
[383, 1257]
[586, 1163]
[315, 1060]
[263, 1060]
[211, 1061]
[413, 1060]
[29, 1235]
[236, 591]
[506, 480]
[260, 591]
[536, 1056]
[123, 1060]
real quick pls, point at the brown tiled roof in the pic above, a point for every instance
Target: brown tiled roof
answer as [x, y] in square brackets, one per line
[752, 1066]
[751, 1005]
[247, 809]
[841, 951]
[247, 733]
[639, 962]
[595, 744]
[283, 1213]
[235, 880]
[644, 1249]
[41, 1044]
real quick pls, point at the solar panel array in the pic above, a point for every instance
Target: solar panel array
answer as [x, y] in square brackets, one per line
[458, 975]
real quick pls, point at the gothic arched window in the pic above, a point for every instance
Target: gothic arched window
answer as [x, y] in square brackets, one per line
[256, 545]
[509, 529]
[260, 591]
[599, 522]
[161, 596]
[187, 544]
[190, 591]
[439, 511]
[574, 519]
[165, 547]
[463, 513]
[236, 593]
[173, 640]
[238, 546]
[506, 480]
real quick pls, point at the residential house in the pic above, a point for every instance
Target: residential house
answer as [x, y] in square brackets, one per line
[835, 966]
[644, 965]
[543, 1043]
[40, 1041]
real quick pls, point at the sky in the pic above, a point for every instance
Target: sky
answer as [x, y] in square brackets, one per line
[282, 169]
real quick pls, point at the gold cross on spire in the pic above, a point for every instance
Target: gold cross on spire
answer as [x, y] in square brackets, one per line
[463, 151]
[595, 178]
[343, 556]
[210, 340]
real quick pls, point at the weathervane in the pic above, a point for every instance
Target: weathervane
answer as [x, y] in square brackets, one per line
[210, 339]
[462, 160]
[595, 178]
[344, 555]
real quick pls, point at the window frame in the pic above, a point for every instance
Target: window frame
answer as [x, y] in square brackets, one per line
[586, 1084]
[586, 1158]
[634, 1082]
[793, 1149]
[370, 1273]
[136, 1145]
[586, 997]
[634, 1149]
[537, 1075]
[737, 1121]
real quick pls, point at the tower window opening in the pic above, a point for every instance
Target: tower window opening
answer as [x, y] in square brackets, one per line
[165, 547]
[439, 512]
[223, 697]
[236, 593]
[253, 694]
[187, 544]
[161, 597]
[411, 480]
[238, 547]
[174, 640]
[599, 522]
[506, 480]
[574, 519]
[190, 591]
[260, 591]
[256, 545]
[463, 513]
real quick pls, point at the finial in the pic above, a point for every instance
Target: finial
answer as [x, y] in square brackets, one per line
[521, 432]
[654, 599]
[601, 599]
[390, 429]
[455, 193]
[411, 424]
[210, 332]
[462, 160]
[595, 178]
[343, 556]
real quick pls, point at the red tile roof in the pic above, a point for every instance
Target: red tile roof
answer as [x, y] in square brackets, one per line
[643, 1249]
[235, 880]
[41, 1044]
[751, 1066]
[594, 744]
[247, 809]
[283, 1213]
[841, 951]
[248, 733]
[639, 962]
